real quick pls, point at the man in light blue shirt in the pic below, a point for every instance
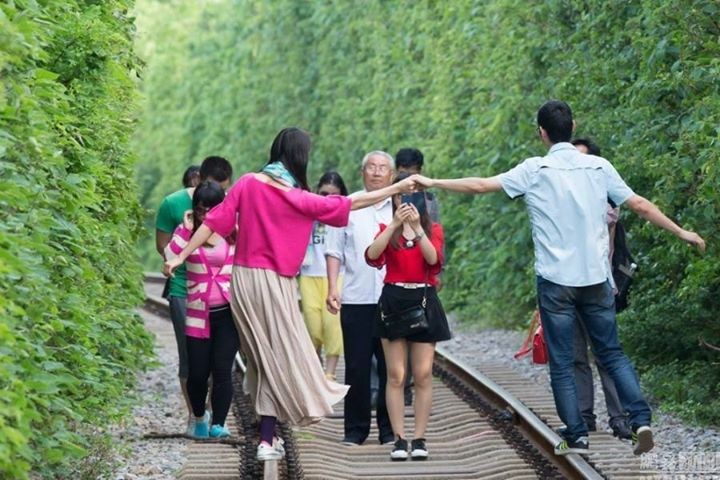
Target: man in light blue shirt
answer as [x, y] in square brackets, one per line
[566, 194]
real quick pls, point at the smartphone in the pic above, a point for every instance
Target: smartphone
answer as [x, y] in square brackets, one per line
[417, 199]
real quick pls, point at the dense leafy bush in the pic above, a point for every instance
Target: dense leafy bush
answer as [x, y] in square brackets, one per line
[69, 340]
[462, 80]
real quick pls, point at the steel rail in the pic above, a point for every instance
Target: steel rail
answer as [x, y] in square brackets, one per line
[533, 428]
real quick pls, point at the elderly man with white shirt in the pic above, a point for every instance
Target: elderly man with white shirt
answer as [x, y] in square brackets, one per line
[362, 285]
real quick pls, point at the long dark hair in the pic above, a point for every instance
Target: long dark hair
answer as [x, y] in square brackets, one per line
[331, 177]
[425, 220]
[207, 195]
[292, 147]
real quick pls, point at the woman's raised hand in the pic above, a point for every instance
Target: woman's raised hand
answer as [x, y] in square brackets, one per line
[413, 217]
[404, 214]
[400, 214]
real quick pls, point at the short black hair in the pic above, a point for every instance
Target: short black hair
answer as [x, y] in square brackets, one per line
[555, 117]
[331, 177]
[215, 168]
[591, 146]
[408, 158]
[192, 172]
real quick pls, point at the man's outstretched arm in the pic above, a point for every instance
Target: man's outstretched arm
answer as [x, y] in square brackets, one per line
[650, 212]
[472, 185]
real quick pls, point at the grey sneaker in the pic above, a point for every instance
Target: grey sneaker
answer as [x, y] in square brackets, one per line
[579, 445]
[622, 430]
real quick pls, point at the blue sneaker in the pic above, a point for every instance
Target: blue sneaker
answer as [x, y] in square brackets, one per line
[219, 431]
[201, 429]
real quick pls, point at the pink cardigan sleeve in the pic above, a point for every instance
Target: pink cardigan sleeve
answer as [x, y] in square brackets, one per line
[333, 210]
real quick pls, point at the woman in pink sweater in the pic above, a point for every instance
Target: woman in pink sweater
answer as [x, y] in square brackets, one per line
[274, 213]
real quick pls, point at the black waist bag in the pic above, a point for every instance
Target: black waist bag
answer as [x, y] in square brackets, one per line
[405, 323]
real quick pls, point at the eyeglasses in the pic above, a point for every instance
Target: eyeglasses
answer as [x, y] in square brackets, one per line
[201, 210]
[381, 169]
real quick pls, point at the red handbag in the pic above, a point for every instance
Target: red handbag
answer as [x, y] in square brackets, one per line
[538, 347]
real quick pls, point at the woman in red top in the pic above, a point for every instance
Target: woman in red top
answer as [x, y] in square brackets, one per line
[410, 248]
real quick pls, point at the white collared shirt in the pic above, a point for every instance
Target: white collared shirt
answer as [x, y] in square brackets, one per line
[362, 284]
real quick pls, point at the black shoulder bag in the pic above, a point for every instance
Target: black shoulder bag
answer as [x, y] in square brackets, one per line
[408, 322]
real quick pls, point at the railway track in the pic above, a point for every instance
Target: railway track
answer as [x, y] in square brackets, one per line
[483, 425]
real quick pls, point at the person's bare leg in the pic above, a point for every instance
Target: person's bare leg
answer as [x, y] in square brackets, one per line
[396, 360]
[421, 360]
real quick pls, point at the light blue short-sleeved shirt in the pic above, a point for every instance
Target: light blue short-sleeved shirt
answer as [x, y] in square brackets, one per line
[566, 194]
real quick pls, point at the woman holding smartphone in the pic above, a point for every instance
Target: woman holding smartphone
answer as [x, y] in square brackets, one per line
[410, 248]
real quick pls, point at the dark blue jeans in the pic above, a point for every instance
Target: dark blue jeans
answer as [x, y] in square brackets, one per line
[596, 306]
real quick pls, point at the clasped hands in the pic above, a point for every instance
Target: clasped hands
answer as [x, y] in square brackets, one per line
[416, 182]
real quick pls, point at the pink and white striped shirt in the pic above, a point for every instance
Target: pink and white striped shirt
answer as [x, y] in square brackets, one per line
[202, 278]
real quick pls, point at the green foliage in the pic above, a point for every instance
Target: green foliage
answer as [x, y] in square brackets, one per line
[69, 340]
[462, 81]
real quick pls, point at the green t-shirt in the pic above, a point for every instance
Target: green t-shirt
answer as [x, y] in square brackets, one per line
[169, 216]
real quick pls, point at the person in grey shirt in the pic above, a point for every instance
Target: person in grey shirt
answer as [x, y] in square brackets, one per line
[566, 194]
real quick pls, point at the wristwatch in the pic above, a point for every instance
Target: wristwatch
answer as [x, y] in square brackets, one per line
[419, 236]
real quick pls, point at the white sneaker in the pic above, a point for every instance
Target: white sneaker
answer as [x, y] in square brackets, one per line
[278, 444]
[266, 453]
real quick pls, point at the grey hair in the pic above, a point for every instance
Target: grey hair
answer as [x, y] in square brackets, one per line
[381, 154]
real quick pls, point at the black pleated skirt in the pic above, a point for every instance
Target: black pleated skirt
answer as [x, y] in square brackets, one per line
[396, 299]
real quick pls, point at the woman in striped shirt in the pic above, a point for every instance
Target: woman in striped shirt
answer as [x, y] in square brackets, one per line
[212, 339]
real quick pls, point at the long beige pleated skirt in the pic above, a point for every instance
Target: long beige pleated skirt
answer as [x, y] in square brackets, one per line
[284, 376]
